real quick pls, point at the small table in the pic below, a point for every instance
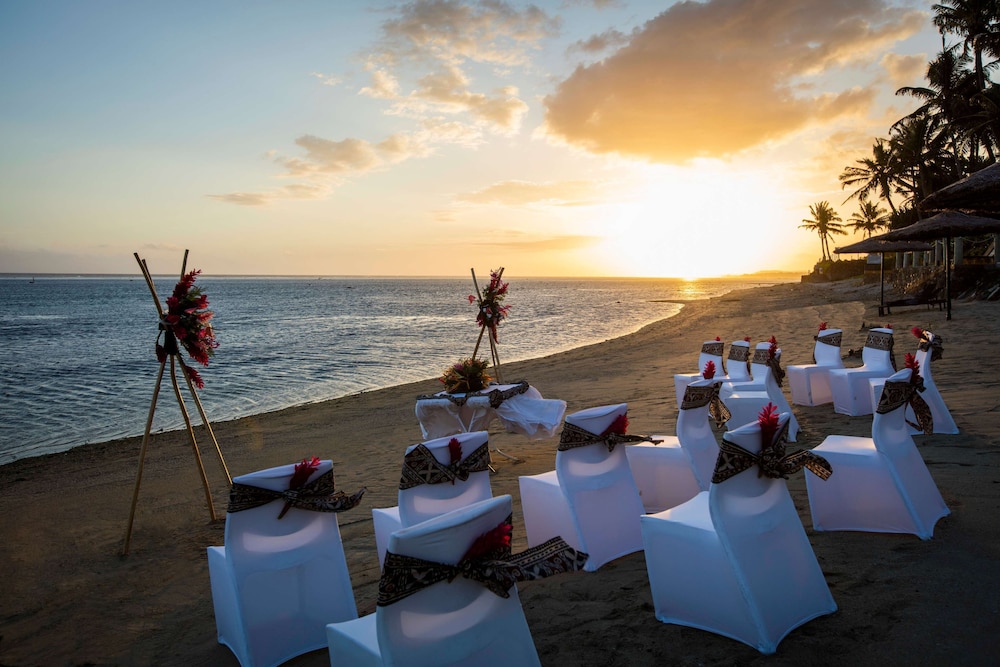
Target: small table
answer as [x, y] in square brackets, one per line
[519, 406]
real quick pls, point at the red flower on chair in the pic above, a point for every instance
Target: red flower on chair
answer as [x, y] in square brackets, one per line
[302, 472]
[709, 371]
[822, 326]
[768, 420]
[619, 425]
[490, 542]
[454, 450]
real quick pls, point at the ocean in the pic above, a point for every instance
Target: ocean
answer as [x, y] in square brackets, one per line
[78, 363]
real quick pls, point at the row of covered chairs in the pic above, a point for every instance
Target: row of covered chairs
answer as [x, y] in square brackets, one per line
[749, 380]
[706, 568]
[856, 391]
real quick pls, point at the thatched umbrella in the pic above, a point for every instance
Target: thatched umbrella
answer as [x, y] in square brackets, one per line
[976, 194]
[945, 224]
[881, 245]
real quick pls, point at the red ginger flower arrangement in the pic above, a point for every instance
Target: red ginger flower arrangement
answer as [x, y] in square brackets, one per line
[768, 420]
[619, 425]
[910, 361]
[189, 321]
[303, 471]
[490, 542]
[746, 339]
[772, 351]
[718, 339]
[300, 476]
[454, 451]
[492, 309]
[822, 326]
[919, 333]
[709, 371]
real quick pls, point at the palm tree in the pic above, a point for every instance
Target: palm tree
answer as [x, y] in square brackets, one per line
[946, 99]
[869, 219]
[876, 174]
[824, 222]
[977, 22]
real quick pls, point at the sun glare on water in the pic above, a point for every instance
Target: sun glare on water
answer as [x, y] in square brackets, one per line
[696, 222]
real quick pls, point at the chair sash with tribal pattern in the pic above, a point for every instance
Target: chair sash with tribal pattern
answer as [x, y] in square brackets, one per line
[318, 495]
[897, 394]
[771, 461]
[496, 569]
[573, 436]
[699, 397]
[496, 396]
[421, 467]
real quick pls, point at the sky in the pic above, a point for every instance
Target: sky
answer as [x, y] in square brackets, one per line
[428, 138]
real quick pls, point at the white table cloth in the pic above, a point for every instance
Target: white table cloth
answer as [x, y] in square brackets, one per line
[519, 407]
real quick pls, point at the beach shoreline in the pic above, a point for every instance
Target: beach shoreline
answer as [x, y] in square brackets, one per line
[74, 600]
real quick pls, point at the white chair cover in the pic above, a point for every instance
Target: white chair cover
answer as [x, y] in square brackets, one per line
[810, 383]
[277, 583]
[879, 484]
[711, 350]
[849, 386]
[590, 499]
[427, 501]
[449, 623]
[763, 380]
[674, 469]
[943, 421]
[737, 363]
[525, 413]
[735, 560]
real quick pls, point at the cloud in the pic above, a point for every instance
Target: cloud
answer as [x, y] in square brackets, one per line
[290, 191]
[428, 48]
[490, 31]
[596, 44]
[905, 70]
[521, 242]
[521, 193]
[716, 78]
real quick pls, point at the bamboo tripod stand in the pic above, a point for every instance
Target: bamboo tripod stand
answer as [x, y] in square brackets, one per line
[173, 354]
[494, 355]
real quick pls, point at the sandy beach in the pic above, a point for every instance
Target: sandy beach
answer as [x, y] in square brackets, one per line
[70, 599]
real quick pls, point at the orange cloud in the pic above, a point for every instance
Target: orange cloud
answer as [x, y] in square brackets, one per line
[715, 78]
[519, 193]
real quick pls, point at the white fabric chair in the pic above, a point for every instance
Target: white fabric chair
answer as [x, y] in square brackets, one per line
[711, 350]
[763, 380]
[810, 383]
[737, 363]
[277, 582]
[880, 484]
[673, 469]
[590, 499]
[850, 387]
[426, 501]
[735, 560]
[941, 417]
[448, 623]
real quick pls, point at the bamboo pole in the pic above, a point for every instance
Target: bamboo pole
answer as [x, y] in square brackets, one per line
[142, 459]
[206, 423]
[174, 359]
[190, 431]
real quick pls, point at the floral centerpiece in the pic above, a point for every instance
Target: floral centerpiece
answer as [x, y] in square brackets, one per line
[492, 309]
[188, 323]
[465, 376]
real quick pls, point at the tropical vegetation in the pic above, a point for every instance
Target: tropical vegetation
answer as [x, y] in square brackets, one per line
[954, 131]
